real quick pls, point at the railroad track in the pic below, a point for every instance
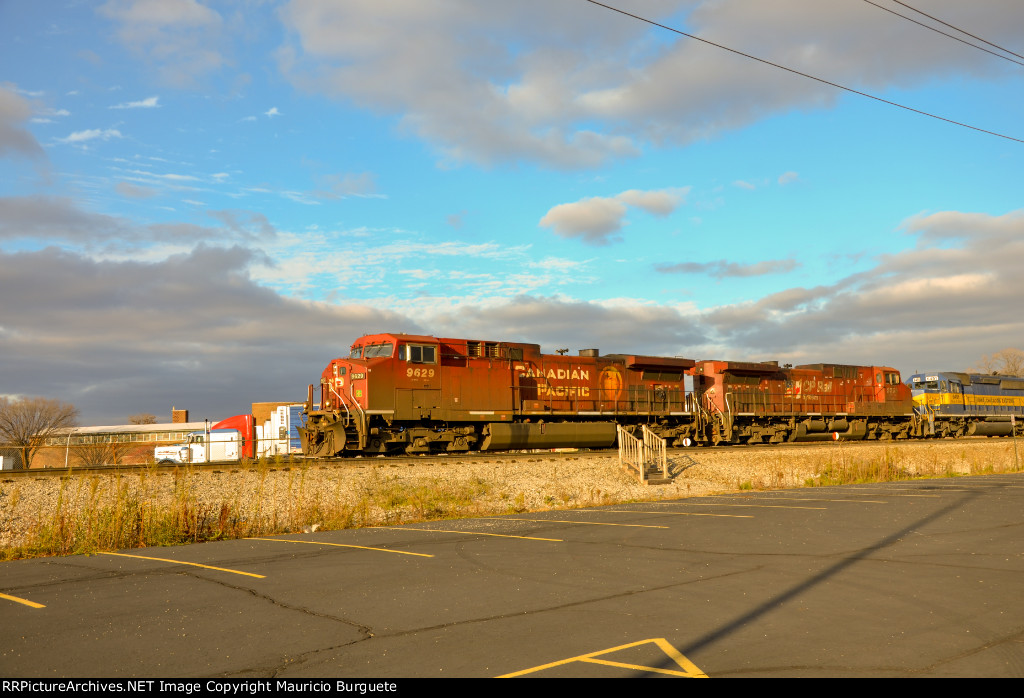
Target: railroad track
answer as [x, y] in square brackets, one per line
[298, 462]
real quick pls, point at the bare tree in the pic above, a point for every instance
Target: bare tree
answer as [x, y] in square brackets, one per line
[105, 452]
[142, 418]
[1008, 362]
[27, 423]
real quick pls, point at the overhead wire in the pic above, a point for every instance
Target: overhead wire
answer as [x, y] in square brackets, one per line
[802, 74]
[955, 38]
[947, 24]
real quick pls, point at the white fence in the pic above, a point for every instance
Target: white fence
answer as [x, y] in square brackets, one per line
[643, 455]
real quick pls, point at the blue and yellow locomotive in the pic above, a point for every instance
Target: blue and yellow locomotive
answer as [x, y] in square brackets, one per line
[968, 404]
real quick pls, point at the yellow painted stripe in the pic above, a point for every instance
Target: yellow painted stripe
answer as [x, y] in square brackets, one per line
[814, 499]
[951, 484]
[343, 545]
[760, 506]
[969, 400]
[689, 669]
[677, 513]
[476, 533]
[191, 564]
[874, 490]
[640, 667]
[25, 602]
[565, 521]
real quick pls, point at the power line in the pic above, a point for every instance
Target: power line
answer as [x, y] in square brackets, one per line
[805, 75]
[958, 29]
[955, 38]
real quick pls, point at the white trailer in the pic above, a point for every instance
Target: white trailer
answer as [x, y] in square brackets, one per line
[279, 435]
[202, 447]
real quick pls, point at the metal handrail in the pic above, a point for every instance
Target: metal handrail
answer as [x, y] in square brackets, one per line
[655, 450]
[341, 399]
[638, 453]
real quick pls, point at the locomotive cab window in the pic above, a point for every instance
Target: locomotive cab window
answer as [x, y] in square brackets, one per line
[375, 351]
[418, 353]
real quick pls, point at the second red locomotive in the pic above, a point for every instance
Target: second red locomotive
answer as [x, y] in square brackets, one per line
[421, 394]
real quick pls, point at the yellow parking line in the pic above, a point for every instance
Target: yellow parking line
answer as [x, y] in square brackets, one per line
[887, 490]
[477, 533]
[192, 564]
[25, 602]
[760, 506]
[565, 521]
[342, 545]
[674, 513]
[811, 499]
[639, 667]
[687, 668]
[897, 494]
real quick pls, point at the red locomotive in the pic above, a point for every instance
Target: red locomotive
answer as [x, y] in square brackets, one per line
[762, 403]
[421, 394]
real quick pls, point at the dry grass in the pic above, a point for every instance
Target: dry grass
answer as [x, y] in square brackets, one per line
[90, 513]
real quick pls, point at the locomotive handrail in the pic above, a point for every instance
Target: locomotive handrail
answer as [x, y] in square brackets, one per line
[342, 401]
[362, 415]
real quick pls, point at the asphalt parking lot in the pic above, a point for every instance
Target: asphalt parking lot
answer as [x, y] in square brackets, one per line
[918, 578]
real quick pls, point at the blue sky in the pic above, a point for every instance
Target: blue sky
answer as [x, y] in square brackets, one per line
[202, 203]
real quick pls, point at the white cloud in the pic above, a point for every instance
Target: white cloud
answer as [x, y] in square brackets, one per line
[148, 103]
[574, 85]
[57, 220]
[340, 186]
[133, 191]
[15, 140]
[181, 39]
[135, 362]
[722, 269]
[597, 218]
[658, 203]
[45, 114]
[245, 224]
[960, 282]
[90, 134]
[788, 178]
[594, 220]
[272, 112]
